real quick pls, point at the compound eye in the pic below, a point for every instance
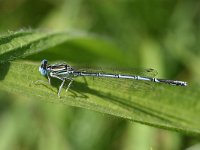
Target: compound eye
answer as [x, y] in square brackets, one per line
[43, 71]
[44, 64]
[43, 67]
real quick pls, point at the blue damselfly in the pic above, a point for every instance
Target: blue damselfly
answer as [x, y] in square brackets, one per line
[66, 72]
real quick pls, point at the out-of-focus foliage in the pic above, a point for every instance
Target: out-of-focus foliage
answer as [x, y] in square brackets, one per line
[160, 34]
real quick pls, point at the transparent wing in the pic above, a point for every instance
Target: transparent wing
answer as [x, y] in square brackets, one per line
[147, 72]
[100, 85]
[117, 84]
[111, 84]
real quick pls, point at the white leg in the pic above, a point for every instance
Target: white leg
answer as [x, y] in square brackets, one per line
[60, 88]
[71, 80]
[49, 79]
[54, 76]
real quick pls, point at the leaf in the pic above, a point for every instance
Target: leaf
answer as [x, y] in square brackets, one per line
[164, 106]
[159, 105]
[26, 42]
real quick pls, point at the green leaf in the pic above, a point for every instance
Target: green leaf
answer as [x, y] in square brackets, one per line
[159, 105]
[26, 42]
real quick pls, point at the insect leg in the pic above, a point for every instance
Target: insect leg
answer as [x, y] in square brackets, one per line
[60, 88]
[71, 80]
[49, 78]
[63, 81]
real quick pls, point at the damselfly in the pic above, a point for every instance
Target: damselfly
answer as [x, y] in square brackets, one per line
[66, 72]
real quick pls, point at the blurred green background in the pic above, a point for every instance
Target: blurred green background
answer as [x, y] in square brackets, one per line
[159, 34]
